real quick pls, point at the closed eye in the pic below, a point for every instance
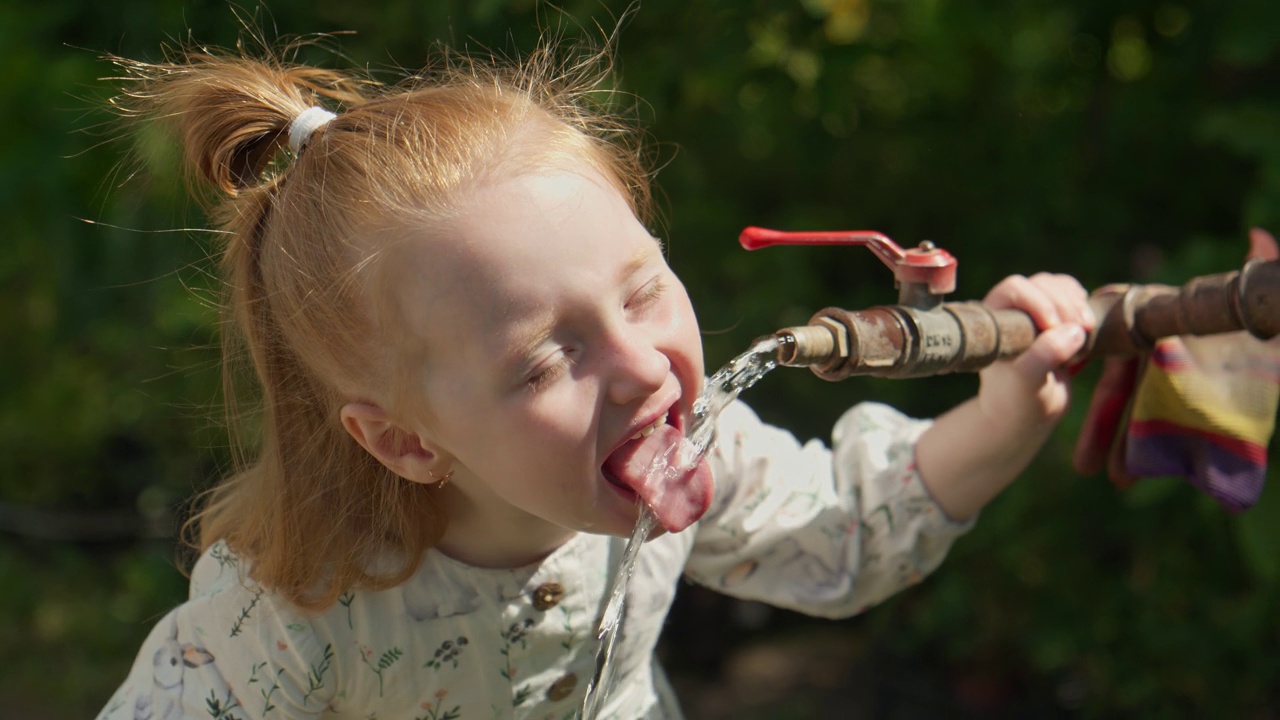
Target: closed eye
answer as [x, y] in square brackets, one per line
[547, 373]
[647, 294]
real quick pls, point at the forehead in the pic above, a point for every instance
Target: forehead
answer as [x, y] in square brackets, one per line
[515, 245]
[539, 218]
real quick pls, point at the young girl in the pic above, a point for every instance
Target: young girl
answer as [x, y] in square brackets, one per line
[468, 347]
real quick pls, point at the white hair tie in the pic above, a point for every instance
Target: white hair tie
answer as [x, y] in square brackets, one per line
[307, 122]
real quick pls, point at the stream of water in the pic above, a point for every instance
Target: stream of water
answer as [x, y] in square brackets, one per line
[722, 388]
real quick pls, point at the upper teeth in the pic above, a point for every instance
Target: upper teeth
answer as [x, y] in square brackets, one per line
[648, 430]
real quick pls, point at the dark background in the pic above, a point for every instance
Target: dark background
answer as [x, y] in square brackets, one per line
[1116, 141]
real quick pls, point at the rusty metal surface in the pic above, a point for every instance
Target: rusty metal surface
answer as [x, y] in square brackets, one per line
[1260, 298]
[980, 339]
[901, 341]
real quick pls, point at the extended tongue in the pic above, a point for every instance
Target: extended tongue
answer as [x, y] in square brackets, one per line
[677, 493]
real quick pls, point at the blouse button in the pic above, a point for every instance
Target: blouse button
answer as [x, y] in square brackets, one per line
[563, 687]
[547, 596]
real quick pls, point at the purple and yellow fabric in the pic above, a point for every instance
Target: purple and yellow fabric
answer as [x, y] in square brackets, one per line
[1204, 409]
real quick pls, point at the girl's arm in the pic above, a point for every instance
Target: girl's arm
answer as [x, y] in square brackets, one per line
[976, 450]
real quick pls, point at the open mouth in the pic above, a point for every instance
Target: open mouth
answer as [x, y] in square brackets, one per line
[650, 468]
[648, 430]
[615, 481]
[639, 436]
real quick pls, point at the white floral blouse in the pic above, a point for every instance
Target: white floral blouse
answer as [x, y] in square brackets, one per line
[798, 526]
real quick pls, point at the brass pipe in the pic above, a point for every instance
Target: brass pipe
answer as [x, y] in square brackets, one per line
[900, 341]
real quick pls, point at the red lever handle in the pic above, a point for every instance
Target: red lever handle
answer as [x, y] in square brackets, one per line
[926, 264]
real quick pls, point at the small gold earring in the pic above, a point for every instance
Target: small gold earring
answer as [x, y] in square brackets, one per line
[442, 481]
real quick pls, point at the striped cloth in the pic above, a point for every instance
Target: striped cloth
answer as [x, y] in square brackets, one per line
[1205, 410]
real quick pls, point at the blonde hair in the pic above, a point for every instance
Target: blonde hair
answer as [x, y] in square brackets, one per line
[313, 512]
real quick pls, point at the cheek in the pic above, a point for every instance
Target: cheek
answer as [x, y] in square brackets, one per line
[565, 415]
[544, 428]
[456, 415]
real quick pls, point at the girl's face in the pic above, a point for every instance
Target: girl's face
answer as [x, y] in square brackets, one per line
[553, 331]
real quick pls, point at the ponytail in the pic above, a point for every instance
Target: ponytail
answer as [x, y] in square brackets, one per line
[232, 117]
[231, 114]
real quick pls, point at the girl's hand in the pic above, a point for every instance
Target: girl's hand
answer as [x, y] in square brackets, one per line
[976, 449]
[1031, 391]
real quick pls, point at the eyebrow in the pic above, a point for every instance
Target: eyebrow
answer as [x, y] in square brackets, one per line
[528, 341]
[639, 259]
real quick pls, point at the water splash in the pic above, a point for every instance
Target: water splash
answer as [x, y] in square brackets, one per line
[722, 388]
[725, 386]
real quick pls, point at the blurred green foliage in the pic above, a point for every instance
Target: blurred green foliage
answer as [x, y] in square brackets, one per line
[1133, 140]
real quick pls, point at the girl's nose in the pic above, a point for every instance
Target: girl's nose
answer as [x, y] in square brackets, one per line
[639, 368]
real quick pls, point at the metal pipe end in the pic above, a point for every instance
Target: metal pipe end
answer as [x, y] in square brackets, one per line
[807, 345]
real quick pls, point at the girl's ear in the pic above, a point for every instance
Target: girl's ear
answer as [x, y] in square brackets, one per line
[403, 452]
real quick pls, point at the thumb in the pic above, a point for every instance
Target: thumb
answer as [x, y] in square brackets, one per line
[1262, 246]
